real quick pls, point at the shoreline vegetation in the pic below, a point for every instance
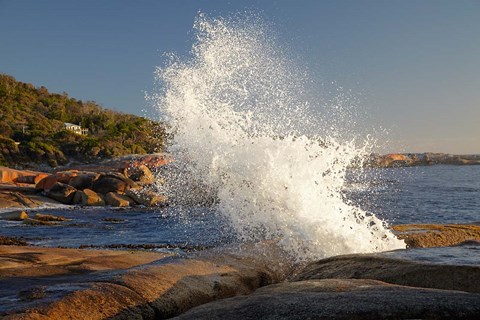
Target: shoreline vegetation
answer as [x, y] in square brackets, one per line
[43, 130]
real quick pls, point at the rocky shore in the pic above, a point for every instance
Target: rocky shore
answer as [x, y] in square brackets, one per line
[241, 282]
[249, 281]
[120, 183]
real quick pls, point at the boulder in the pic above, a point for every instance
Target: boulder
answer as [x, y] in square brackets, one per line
[14, 216]
[341, 299]
[61, 192]
[26, 179]
[40, 177]
[140, 173]
[9, 175]
[147, 198]
[118, 200]
[110, 183]
[83, 180]
[88, 197]
[46, 183]
[395, 271]
[129, 182]
[31, 179]
[65, 176]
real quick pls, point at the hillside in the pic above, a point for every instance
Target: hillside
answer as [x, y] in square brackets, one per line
[32, 128]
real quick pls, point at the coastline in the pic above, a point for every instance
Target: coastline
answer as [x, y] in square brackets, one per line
[61, 283]
[253, 280]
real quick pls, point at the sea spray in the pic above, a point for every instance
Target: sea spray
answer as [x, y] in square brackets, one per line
[243, 127]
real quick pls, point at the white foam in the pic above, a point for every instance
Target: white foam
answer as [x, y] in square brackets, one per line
[241, 122]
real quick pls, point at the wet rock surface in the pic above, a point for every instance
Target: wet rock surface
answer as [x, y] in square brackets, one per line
[62, 283]
[395, 271]
[342, 299]
[147, 198]
[75, 283]
[359, 287]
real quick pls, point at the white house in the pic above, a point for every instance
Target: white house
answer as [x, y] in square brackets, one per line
[75, 128]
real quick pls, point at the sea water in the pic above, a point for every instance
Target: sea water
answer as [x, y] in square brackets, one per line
[433, 194]
[424, 194]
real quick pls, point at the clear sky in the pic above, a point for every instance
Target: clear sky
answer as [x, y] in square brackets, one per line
[414, 64]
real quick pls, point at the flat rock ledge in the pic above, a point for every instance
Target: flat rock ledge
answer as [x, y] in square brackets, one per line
[40, 283]
[436, 235]
[359, 287]
[342, 299]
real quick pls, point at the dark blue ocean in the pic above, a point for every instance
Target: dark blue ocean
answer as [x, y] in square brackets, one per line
[426, 194]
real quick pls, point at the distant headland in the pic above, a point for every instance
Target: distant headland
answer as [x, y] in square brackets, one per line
[420, 159]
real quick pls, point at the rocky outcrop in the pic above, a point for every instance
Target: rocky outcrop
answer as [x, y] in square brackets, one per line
[16, 199]
[435, 235]
[342, 299]
[39, 262]
[62, 283]
[84, 180]
[70, 287]
[395, 160]
[14, 215]
[62, 192]
[359, 287]
[106, 184]
[152, 161]
[9, 175]
[92, 187]
[140, 174]
[147, 198]
[88, 197]
[35, 222]
[421, 159]
[48, 217]
[118, 200]
[395, 271]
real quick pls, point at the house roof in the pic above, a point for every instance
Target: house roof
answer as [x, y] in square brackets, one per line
[71, 124]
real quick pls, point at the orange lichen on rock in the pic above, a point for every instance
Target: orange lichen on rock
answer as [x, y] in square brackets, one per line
[436, 235]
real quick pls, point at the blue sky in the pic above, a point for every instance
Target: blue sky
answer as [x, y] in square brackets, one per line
[413, 65]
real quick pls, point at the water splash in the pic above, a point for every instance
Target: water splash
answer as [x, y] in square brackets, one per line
[242, 124]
